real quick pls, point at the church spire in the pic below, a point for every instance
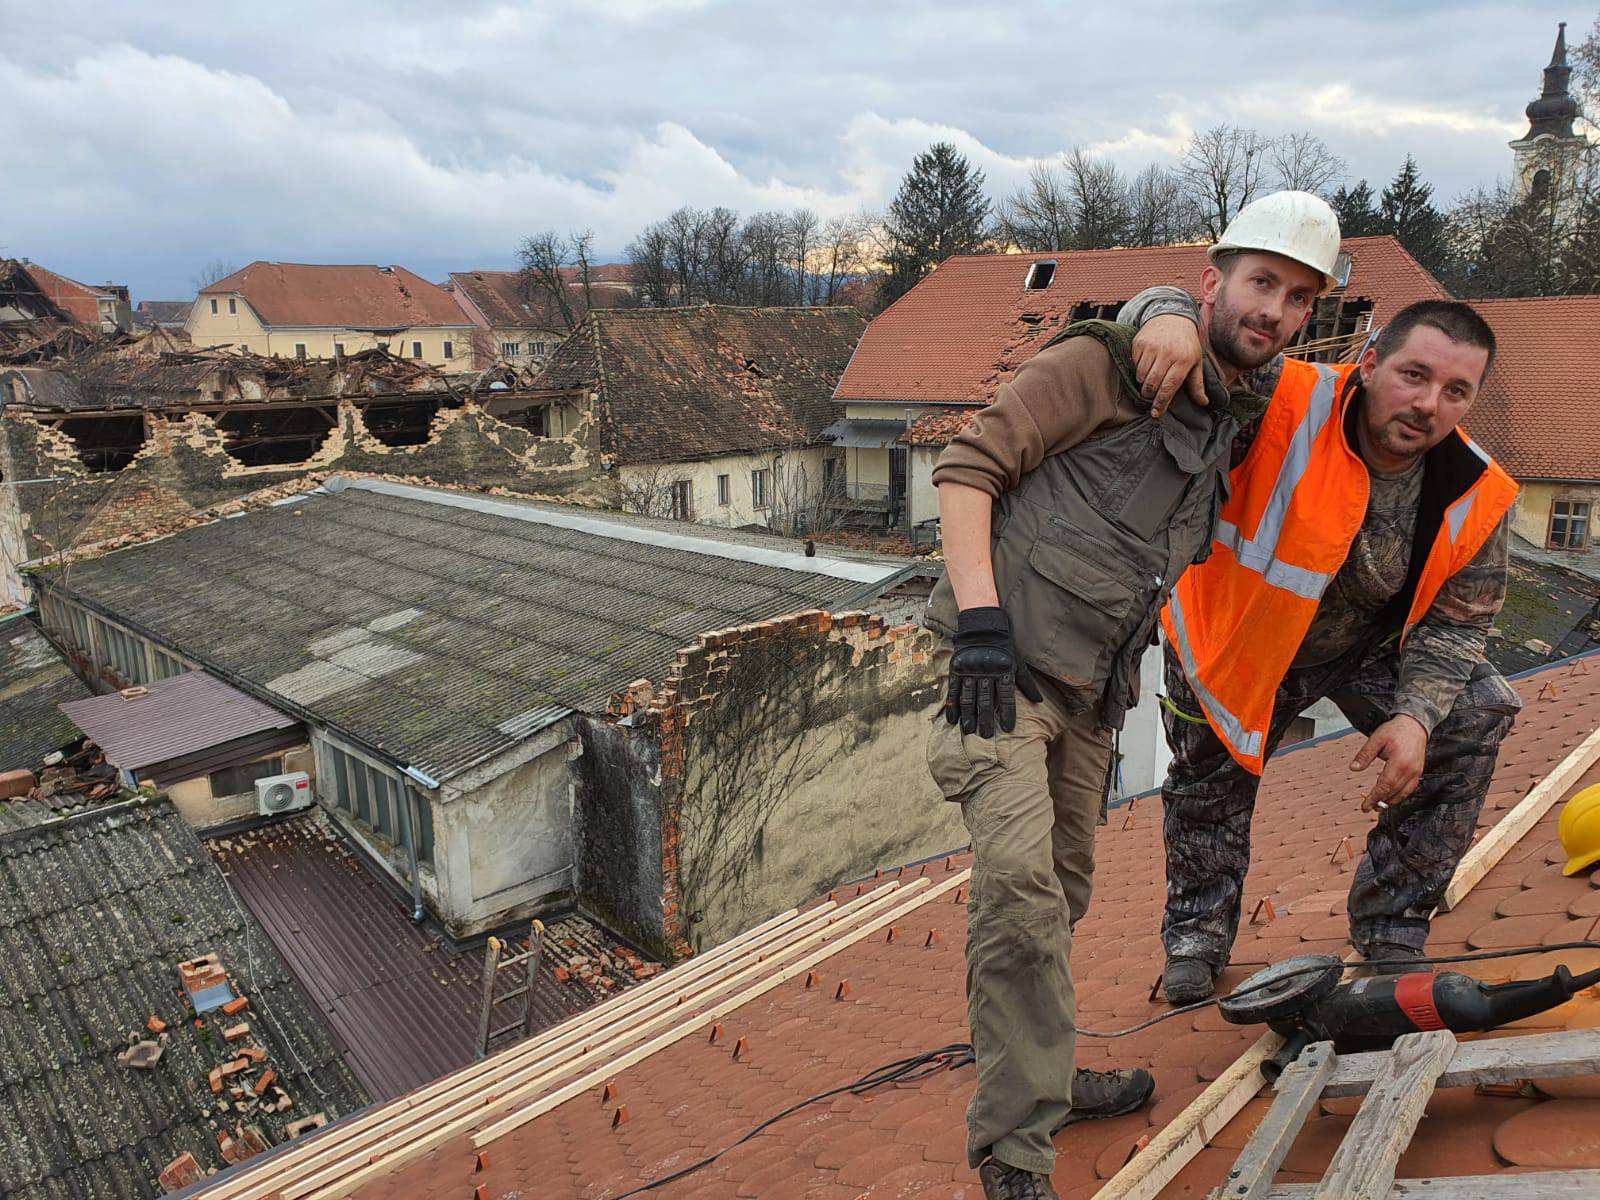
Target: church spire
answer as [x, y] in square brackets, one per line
[1555, 109]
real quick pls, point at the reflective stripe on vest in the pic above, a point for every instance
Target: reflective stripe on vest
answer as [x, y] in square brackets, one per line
[1247, 741]
[1260, 553]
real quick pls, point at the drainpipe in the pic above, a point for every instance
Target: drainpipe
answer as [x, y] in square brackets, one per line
[409, 835]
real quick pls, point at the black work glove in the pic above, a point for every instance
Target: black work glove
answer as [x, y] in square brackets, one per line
[985, 674]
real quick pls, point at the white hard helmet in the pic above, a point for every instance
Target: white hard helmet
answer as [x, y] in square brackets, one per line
[1296, 225]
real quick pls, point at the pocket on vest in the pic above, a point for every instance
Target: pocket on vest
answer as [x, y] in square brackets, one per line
[1092, 611]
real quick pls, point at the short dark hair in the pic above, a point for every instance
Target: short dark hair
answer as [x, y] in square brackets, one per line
[1457, 321]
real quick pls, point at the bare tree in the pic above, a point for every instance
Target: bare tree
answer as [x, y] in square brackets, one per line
[1099, 200]
[550, 263]
[1038, 215]
[764, 259]
[210, 271]
[1223, 169]
[1159, 213]
[1304, 163]
[802, 232]
[645, 490]
[845, 252]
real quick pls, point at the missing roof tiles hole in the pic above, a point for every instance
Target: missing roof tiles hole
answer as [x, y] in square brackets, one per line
[1039, 275]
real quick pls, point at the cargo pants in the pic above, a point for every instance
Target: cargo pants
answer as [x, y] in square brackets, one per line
[1413, 847]
[1031, 800]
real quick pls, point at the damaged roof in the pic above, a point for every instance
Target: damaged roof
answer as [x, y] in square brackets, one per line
[34, 678]
[441, 628]
[1540, 407]
[677, 384]
[824, 1018]
[96, 912]
[341, 297]
[503, 301]
[404, 1000]
[968, 327]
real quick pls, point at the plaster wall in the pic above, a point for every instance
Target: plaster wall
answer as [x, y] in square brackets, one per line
[242, 328]
[203, 809]
[795, 480]
[1530, 518]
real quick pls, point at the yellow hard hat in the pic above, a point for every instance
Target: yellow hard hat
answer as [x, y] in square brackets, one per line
[1580, 830]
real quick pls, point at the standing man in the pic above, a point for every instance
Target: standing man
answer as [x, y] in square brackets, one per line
[1069, 507]
[1362, 558]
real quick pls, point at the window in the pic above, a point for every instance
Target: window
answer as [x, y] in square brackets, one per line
[373, 797]
[338, 349]
[1569, 525]
[167, 665]
[761, 488]
[724, 488]
[449, 349]
[535, 349]
[510, 349]
[233, 306]
[213, 308]
[683, 500]
[416, 349]
[236, 781]
[1039, 276]
[300, 350]
[122, 654]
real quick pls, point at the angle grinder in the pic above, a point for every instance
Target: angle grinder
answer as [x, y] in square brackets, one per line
[1303, 1000]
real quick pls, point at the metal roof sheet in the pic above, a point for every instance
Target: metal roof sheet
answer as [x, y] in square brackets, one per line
[179, 715]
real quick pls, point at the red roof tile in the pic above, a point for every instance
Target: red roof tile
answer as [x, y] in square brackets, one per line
[78, 299]
[692, 1097]
[1540, 410]
[502, 301]
[341, 297]
[966, 328]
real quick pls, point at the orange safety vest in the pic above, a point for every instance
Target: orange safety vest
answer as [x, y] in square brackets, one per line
[1298, 499]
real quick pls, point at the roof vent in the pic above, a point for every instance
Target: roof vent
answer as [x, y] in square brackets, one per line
[386, 270]
[1039, 275]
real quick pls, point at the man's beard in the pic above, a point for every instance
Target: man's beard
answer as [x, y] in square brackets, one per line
[1228, 341]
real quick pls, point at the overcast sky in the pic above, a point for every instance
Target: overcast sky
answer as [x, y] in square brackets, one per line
[145, 139]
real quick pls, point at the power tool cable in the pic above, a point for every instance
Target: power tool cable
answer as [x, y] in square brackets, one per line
[959, 1054]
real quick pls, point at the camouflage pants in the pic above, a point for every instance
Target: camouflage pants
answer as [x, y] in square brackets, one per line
[1412, 849]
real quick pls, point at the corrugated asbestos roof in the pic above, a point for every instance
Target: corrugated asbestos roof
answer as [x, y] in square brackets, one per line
[96, 912]
[33, 680]
[401, 998]
[174, 716]
[440, 628]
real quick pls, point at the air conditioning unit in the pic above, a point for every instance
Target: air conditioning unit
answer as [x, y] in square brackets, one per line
[277, 794]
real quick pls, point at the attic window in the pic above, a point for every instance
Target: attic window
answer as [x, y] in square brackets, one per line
[1039, 275]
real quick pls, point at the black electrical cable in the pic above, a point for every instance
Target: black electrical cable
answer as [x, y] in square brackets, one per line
[906, 1070]
[959, 1054]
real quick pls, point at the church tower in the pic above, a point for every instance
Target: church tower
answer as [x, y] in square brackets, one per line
[1549, 155]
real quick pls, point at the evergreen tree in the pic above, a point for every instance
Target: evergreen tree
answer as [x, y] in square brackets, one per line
[1357, 211]
[1406, 210]
[939, 210]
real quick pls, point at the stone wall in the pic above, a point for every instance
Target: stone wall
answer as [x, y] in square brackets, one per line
[183, 466]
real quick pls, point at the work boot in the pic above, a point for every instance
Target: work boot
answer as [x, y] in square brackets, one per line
[1397, 959]
[1002, 1182]
[1099, 1094]
[1188, 980]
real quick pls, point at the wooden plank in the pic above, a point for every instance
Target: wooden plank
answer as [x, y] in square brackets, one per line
[341, 1137]
[1363, 1165]
[1493, 1060]
[1509, 830]
[1187, 1134]
[1542, 1185]
[472, 1107]
[534, 954]
[522, 1104]
[491, 965]
[1299, 1089]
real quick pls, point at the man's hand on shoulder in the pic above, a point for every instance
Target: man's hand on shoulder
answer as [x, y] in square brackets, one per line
[1167, 356]
[1402, 743]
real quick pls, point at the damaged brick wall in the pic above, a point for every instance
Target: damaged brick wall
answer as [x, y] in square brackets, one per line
[184, 465]
[791, 757]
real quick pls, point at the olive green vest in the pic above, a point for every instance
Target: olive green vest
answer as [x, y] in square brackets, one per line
[1088, 545]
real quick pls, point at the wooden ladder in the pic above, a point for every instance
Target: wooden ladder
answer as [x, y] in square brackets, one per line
[495, 960]
[1398, 1084]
